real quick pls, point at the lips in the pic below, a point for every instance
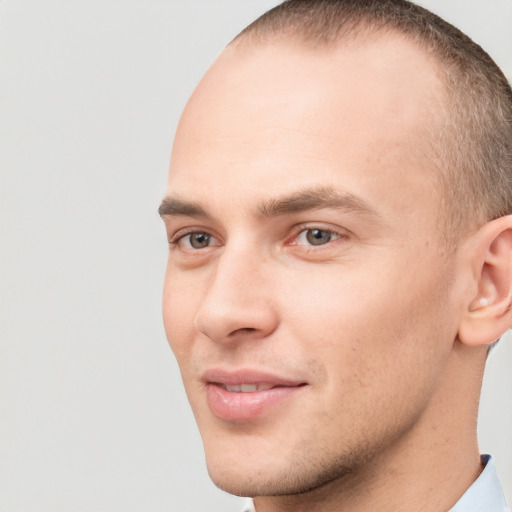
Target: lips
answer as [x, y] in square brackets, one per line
[247, 388]
[245, 394]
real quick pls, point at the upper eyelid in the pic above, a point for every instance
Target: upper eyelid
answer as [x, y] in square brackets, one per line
[181, 233]
[181, 238]
[323, 226]
[294, 231]
[293, 241]
[176, 240]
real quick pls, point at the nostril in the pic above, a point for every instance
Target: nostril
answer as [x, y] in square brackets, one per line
[246, 329]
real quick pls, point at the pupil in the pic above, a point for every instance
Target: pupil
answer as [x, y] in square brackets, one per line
[318, 236]
[199, 240]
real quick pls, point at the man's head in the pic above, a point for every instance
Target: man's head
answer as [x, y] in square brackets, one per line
[323, 326]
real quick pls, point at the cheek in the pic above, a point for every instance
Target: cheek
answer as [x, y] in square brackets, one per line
[374, 330]
[179, 306]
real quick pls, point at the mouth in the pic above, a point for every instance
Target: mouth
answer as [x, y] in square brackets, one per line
[245, 388]
[246, 395]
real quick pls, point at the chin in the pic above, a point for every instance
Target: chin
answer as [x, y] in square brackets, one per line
[240, 482]
[240, 476]
[250, 478]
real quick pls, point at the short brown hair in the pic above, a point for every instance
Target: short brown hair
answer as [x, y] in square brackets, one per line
[472, 144]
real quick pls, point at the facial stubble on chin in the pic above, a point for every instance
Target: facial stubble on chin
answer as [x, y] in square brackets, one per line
[306, 474]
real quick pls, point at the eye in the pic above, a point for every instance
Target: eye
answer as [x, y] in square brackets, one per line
[196, 240]
[316, 237]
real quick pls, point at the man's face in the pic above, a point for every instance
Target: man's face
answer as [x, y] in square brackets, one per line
[307, 296]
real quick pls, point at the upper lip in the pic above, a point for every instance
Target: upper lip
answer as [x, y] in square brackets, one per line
[247, 376]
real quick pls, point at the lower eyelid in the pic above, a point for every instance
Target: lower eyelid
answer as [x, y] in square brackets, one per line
[179, 238]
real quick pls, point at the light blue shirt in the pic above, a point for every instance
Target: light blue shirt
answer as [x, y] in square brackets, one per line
[485, 495]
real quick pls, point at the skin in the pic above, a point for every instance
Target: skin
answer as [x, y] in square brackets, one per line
[369, 321]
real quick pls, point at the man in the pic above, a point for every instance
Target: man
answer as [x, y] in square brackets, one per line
[340, 258]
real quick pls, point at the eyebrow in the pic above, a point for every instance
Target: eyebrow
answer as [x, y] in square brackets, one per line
[315, 199]
[301, 201]
[173, 206]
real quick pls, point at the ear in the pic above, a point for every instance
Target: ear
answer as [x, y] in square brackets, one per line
[487, 313]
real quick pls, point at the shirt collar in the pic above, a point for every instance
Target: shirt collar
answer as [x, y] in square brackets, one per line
[486, 493]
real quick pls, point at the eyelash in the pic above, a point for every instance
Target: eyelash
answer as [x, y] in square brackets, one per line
[335, 235]
[177, 238]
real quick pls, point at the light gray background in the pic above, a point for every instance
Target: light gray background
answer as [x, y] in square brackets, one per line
[92, 411]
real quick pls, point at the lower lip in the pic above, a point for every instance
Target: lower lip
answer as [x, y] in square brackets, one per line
[233, 406]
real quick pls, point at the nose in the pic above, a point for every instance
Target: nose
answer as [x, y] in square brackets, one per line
[238, 302]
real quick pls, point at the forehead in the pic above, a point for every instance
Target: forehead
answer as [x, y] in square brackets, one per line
[280, 115]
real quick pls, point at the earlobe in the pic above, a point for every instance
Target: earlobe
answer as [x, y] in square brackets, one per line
[488, 313]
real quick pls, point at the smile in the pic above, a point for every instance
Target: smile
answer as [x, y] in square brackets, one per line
[247, 388]
[247, 395]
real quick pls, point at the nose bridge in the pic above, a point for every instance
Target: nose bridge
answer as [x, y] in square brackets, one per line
[238, 297]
